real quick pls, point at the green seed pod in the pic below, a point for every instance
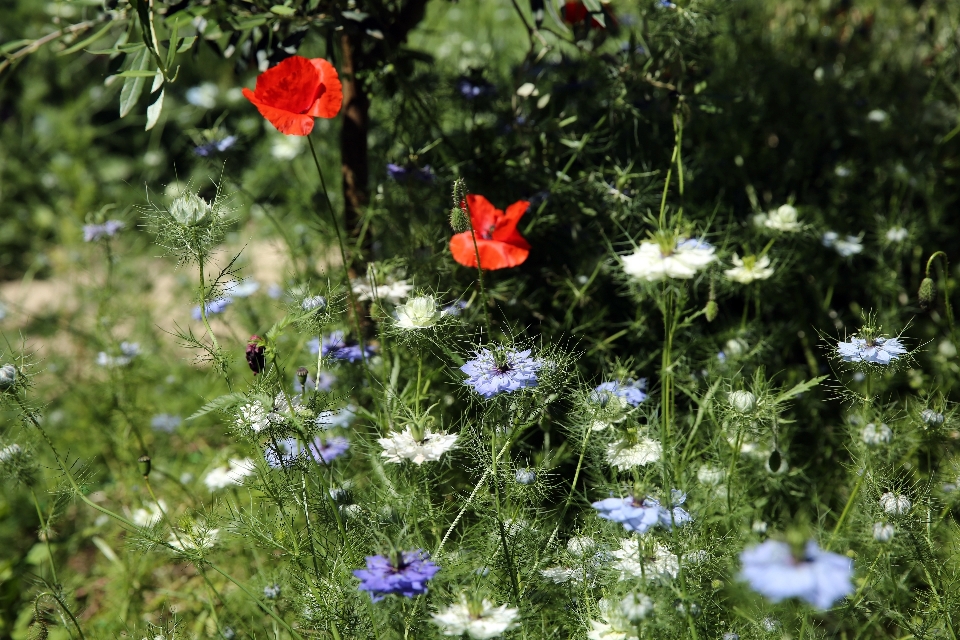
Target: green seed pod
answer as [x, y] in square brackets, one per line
[927, 293]
[459, 220]
[144, 462]
[711, 310]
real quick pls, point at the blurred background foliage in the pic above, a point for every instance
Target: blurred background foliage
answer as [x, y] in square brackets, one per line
[847, 109]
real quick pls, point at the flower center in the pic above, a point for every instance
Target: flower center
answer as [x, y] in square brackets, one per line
[487, 234]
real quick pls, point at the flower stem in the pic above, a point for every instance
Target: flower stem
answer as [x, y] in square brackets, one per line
[483, 290]
[46, 536]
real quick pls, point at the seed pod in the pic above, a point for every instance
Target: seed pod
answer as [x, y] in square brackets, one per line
[775, 461]
[145, 465]
[8, 376]
[302, 374]
[927, 293]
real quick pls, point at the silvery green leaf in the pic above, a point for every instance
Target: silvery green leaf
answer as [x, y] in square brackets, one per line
[133, 87]
[153, 112]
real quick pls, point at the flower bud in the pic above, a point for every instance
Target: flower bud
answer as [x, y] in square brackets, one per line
[302, 374]
[316, 303]
[255, 357]
[895, 504]
[37, 630]
[8, 376]
[742, 401]
[145, 465]
[459, 220]
[931, 418]
[526, 476]
[418, 313]
[711, 310]
[883, 532]
[927, 293]
[191, 210]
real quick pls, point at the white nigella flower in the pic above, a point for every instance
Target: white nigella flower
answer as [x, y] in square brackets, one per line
[614, 625]
[562, 575]
[253, 416]
[194, 539]
[394, 291]
[477, 621]
[581, 546]
[749, 268]
[149, 516]
[636, 606]
[630, 564]
[232, 474]
[873, 434]
[883, 531]
[895, 504]
[421, 312]
[626, 456]
[651, 262]
[896, 234]
[710, 475]
[782, 219]
[846, 246]
[403, 445]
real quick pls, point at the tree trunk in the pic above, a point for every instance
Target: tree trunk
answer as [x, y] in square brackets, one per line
[353, 138]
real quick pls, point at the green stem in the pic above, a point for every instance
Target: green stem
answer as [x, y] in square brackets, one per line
[62, 606]
[846, 508]
[483, 290]
[46, 536]
[346, 265]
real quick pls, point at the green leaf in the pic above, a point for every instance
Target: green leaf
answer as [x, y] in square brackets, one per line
[86, 41]
[136, 73]
[798, 389]
[218, 404]
[173, 45]
[133, 85]
[186, 43]
[153, 112]
[596, 11]
[16, 44]
[242, 24]
[281, 10]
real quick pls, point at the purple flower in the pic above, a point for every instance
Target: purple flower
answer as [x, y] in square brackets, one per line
[453, 309]
[325, 452]
[877, 350]
[408, 576]
[819, 577]
[491, 374]
[676, 515]
[282, 453]
[92, 232]
[335, 346]
[217, 305]
[214, 146]
[632, 391]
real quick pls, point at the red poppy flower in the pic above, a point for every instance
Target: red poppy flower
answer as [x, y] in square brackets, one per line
[499, 243]
[575, 12]
[293, 93]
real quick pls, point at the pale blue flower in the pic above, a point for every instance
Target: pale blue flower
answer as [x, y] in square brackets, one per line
[632, 391]
[282, 453]
[165, 422]
[820, 578]
[217, 305]
[488, 377]
[243, 289]
[875, 351]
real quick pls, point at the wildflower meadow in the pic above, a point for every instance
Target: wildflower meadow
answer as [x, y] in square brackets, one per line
[522, 319]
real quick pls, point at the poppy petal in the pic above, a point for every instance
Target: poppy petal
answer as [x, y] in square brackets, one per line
[292, 124]
[330, 93]
[483, 215]
[289, 86]
[493, 254]
[507, 225]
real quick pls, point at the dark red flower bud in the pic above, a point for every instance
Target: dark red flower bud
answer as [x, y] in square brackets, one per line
[255, 355]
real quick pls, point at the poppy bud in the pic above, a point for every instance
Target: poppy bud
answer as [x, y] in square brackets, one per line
[927, 293]
[302, 374]
[8, 376]
[37, 630]
[145, 465]
[711, 310]
[459, 220]
[255, 356]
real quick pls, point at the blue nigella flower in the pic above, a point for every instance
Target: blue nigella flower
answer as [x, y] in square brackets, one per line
[453, 309]
[408, 577]
[819, 577]
[403, 174]
[641, 516]
[472, 88]
[108, 229]
[490, 375]
[326, 451]
[282, 453]
[875, 350]
[217, 305]
[215, 146]
[339, 418]
[165, 422]
[271, 591]
[632, 391]
[335, 346]
[243, 289]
